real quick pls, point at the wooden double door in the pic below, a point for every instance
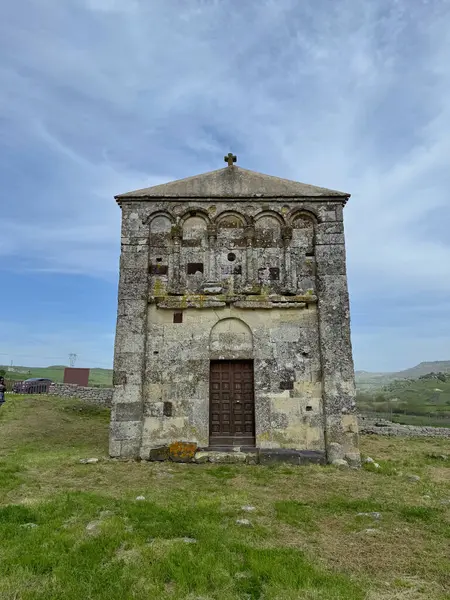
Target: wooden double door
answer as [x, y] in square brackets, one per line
[231, 403]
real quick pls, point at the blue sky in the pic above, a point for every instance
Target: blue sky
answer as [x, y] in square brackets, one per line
[99, 97]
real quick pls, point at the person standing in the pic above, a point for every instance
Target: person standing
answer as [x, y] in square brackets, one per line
[2, 390]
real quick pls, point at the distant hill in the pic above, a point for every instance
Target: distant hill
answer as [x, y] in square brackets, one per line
[427, 396]
[368, 381]
[100, 377]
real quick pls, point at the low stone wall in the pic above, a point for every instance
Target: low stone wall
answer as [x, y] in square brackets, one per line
[98, 396]
[384, 427]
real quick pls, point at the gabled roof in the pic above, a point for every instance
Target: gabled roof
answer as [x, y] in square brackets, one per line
[232, 182]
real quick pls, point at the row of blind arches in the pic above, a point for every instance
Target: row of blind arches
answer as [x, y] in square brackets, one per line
[231, 227]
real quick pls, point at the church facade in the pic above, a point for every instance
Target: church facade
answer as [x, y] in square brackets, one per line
[233, 328]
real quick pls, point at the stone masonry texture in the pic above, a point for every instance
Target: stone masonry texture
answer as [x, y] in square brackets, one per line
[233, 265]
[371, 426]
[93, 395]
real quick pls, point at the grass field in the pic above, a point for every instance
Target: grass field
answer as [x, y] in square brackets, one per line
[76, 531]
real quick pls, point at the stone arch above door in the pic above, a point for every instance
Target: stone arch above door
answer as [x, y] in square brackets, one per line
[231, 339]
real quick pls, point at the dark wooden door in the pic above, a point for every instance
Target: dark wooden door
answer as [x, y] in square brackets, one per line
[232, 403]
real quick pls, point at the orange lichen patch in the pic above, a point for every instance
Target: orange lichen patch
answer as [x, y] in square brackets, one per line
[182, 451]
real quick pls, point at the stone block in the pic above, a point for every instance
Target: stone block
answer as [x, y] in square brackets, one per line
[134, 260]
[182, 451]
[135, 308]
[252, 458]
[227, 457]
[132, 224]
[114, 448]
[126, 411]
[153, 409]
[340, 463]
[130, 448]
[329, 239]
[329, 227]
[119, 377]
[159, 454]
[130, 362]
[128, 393]
[129, 343]
[353, 459]
[134, 292]
[126, 430]
[330, 260]
[290, 456]
[335, 451]
[201, 457]
[326, 213]
[339, 209]
[131, 324]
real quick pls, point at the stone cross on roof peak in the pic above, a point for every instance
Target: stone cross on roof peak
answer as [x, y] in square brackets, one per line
[230, 158]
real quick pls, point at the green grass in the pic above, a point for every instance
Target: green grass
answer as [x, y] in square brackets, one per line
[421, 421]
[412, 402]
[90, 538]
[100, 377]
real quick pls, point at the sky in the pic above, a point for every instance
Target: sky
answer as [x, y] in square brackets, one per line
[100, 97]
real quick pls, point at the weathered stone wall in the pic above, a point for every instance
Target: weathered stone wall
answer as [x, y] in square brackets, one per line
[277, 267]
[284, 345]
[384, 427]
[93, 395]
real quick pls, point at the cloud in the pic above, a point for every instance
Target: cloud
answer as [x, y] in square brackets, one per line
[100, 97]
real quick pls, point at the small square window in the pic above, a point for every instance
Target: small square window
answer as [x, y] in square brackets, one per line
[193, 268]
[178, 317]
[167, 409]
[158, 269]
[274, 273]
[286, 385]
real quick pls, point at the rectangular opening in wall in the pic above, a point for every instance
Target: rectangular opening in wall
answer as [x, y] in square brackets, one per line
[274, 273]
[286, 385]
[158, 269]
[178, 317]
[167, 409]
[310, 253]
[193, 268]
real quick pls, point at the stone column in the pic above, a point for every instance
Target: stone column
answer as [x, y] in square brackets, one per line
[130, 343]
[212, 255]
[338, 378]
[286, 234]
[250, 273]
[175, 255]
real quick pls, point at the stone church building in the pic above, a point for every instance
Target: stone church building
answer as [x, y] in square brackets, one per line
[233, 327]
